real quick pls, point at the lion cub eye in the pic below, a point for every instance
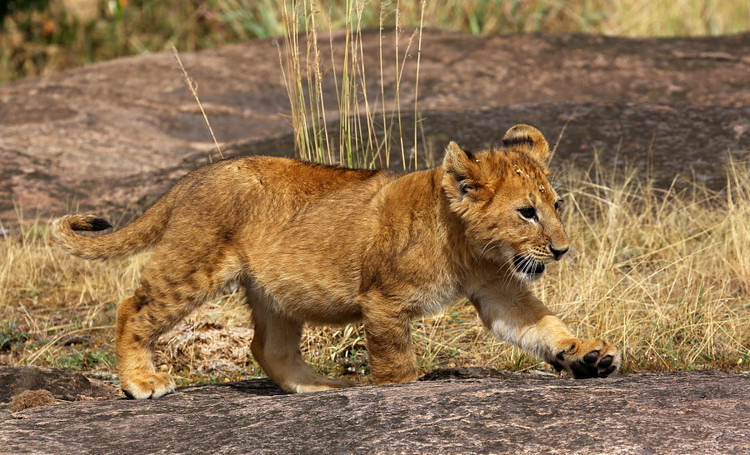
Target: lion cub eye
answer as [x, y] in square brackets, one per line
[528, 212]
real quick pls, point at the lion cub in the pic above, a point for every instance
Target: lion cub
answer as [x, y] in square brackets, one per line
[330, 245]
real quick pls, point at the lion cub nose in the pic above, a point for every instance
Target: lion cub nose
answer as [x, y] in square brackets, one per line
[558, 253]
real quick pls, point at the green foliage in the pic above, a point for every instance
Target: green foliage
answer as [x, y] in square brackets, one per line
[14, 6]
[40, 37]
[11, 334]
[85, 360]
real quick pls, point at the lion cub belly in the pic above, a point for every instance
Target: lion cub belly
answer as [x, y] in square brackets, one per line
[307, 296]
[314, 277]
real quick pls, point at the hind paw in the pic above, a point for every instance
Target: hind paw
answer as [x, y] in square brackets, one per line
[152, 385]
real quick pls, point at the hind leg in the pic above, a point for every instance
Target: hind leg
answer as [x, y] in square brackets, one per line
[138, 328]
[276, 348]
[165, 297]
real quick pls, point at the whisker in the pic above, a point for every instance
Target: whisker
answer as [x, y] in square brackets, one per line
[507, 275]
[485, 250]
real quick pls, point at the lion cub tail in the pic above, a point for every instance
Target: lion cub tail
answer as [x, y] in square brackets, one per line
[136, 236]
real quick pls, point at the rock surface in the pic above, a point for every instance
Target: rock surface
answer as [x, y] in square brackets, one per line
[62, 384]
[664, 413]
[115, 135]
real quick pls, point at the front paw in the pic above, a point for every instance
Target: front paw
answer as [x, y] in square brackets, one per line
[587, 359]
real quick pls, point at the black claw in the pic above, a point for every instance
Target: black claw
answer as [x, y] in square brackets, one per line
[606, 362]
[591, 357]
[607, 372]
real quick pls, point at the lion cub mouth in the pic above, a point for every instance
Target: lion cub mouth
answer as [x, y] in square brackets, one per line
[528, 266]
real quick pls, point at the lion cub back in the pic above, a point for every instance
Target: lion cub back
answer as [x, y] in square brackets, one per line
[267, 189]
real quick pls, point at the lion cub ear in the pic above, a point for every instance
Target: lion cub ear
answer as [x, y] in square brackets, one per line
[461, 170]
[529, 140]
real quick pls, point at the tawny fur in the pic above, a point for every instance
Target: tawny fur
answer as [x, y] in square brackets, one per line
[331, 245]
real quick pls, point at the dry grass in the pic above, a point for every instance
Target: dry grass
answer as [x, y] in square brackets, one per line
[606, 17]
[369, 124]
[659, 272]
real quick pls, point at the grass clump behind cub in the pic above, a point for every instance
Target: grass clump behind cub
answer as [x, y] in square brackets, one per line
[329, 245]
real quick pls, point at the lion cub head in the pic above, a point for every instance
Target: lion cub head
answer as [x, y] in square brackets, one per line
[503, 197]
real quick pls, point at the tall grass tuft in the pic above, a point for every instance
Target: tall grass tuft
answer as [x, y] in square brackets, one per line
[367, 124]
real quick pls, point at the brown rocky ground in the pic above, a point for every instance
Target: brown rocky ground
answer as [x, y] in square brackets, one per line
[115, 135]
[666, 413]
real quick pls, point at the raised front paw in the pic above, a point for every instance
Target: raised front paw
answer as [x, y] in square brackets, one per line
[151, 385]
[587, 359]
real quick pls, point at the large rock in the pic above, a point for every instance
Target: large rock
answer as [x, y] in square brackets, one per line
[115, 135]
[664, 413]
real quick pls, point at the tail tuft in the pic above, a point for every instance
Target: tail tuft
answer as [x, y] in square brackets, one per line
[88, 223]
[64, 232]
[100, 224]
